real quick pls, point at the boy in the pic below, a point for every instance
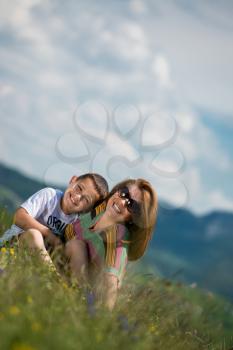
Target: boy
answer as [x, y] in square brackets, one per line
[46, 214]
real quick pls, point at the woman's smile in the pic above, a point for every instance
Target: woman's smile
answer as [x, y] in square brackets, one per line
[116, 208]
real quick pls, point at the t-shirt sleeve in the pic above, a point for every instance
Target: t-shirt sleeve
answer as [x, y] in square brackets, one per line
[37, 203]
[121, 254]
[119, 268]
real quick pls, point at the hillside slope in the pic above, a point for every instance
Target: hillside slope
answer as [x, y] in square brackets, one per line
[15, 187]
[185, 247]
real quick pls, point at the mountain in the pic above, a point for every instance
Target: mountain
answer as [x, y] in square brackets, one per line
[15, 187]
[195, 249]
[185, 247]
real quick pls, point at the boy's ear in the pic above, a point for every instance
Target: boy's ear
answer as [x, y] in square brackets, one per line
[73, 180]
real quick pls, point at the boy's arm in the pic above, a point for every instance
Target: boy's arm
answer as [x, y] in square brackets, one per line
[25, 221]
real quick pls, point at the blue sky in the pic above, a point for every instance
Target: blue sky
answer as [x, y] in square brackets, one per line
[125, 88]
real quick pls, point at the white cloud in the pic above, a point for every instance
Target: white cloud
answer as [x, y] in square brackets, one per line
[118, 146]
[70, 147]
[200, 199]
[92, 119]
[216, 13]
[219, 200]
[62, 55]
[158, 129]
[189, 148]
[186, 120]
[198, 141]
[173, 191]
[6, 89]
[211, 150]
[138, 6]
[50, 79]
[161, 70]
[201, 56]
[60, 173]
[126, 40]
[27, 28]
[169, 162]
[193, 181]
[126, 118]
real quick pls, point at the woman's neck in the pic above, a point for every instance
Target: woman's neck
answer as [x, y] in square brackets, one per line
[104, 222]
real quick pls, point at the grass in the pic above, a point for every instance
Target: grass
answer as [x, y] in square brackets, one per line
[39, 311]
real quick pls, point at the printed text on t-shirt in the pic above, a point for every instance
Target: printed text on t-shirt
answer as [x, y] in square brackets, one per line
[55, 224]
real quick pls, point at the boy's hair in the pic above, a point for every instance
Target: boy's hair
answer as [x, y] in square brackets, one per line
[100, 184]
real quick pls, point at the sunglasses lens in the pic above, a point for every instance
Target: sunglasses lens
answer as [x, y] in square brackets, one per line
[131, 204]
[124, 192]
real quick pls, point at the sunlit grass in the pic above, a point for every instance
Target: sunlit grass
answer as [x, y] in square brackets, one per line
[40, 310]
[6, 220]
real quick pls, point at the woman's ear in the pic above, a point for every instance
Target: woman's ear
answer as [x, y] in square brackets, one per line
[73, 180]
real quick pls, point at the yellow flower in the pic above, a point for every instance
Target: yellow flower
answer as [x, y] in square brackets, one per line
[22, 347]
[36, 327]
[65, 285]
[12, 251]
[99, 337]
[153, 328]
[3, 250]
[29, 299]
[14, 310]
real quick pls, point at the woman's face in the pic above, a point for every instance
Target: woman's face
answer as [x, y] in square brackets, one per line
[123, 202]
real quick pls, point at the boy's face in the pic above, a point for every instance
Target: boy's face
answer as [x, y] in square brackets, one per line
[80, 196]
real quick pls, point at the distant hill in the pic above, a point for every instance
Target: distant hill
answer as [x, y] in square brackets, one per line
[194, 249]
[15, 187]
[185, 247]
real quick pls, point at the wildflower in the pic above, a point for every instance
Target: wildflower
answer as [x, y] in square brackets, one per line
[29, 299]
[36, 327]
[124, 323]
[49, 285]
[153, 328]
[12, 251]
[14, 310]
[22, 346]
[90, 297]
[65, 285]
[99, 337]
[3, 250]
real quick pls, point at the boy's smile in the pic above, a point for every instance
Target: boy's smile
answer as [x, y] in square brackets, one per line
[79, 197]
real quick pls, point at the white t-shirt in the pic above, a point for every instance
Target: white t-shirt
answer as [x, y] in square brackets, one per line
[44, 206]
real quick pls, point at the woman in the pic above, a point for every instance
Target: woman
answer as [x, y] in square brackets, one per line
[117, 231]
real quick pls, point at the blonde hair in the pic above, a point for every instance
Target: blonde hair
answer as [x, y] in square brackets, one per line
[142, 225]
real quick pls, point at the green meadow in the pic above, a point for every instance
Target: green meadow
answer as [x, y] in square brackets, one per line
[41, 310]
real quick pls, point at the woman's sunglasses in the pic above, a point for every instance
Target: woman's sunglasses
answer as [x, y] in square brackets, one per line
[132, 205]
